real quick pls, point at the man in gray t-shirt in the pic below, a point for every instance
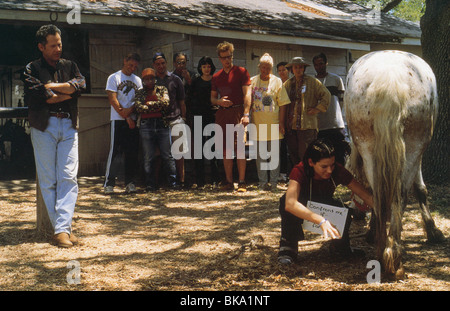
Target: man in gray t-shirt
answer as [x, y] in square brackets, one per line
[331, 122]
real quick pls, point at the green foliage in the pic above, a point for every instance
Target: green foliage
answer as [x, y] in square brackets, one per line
[411, 10]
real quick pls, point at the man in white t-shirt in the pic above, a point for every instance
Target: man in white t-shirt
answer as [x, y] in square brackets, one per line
[331, 122]
[121, 88]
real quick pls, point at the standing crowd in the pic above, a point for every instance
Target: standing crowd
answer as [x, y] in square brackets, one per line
[288, 113]
[298, 121]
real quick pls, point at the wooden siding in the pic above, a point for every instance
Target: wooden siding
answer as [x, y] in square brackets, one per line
[279, 53]
[107, 49]
[165, 42]
[248, 53]
[207, 46]
[94, 134]
[337, 60]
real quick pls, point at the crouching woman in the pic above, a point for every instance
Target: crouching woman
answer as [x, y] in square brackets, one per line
[315, 178]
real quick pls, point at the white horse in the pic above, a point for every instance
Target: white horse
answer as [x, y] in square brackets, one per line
[391, 107]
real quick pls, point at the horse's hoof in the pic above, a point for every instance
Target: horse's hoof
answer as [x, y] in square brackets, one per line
[400, 274]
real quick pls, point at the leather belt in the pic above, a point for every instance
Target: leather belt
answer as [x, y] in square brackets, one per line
[220, 107]
[61, 115]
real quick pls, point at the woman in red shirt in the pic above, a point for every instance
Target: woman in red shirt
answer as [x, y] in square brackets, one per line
[315, 178]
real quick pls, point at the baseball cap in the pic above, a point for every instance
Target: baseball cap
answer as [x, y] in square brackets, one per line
[158, 55]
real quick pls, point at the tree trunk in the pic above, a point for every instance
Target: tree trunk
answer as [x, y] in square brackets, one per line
[436, 48]
[44, 228]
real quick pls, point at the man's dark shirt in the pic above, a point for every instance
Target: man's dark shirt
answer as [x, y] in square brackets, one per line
[176, 93]
[36, 75]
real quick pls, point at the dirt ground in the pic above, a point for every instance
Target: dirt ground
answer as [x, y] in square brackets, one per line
[198, 240]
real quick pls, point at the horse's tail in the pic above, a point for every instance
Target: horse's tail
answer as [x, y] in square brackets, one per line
[355, 164]
[388, 94]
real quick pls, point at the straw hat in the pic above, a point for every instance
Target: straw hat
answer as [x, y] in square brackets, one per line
[297, 60]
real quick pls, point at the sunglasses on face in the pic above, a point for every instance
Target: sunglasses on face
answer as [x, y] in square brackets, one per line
[226, 57]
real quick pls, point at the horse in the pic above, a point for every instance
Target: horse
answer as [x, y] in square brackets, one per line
[391, 105]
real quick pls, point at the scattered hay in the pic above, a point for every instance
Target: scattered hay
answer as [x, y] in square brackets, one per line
[196, 240]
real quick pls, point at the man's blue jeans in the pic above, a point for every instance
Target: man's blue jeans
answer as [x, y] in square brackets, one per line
[155, 134]
[56, 157]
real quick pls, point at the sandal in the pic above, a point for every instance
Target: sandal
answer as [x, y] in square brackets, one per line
[288, 252]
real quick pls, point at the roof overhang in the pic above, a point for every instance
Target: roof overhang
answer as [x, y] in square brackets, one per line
[17, 16]
[256, 36]
[411, 41]
[48, 16]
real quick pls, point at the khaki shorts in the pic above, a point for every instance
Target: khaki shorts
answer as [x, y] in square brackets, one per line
[231, 116]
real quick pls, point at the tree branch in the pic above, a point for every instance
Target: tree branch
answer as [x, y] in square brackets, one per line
[391, 5]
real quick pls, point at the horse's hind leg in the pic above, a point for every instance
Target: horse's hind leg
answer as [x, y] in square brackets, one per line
[392, 255]
[434, 235]
[370, 235]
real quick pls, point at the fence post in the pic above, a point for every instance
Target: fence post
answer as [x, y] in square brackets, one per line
[44, 228]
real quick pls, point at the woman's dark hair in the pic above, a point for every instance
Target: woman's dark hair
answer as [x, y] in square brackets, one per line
[203, 61]
[282, 64]
[319, 149]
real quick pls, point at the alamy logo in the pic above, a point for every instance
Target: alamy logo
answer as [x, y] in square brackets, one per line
[74, 15]
[215, 147]
[374, 16]
[374, 275]
[74, 275]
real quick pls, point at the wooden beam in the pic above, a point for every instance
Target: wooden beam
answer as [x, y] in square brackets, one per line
[13, 112]
[44, 228]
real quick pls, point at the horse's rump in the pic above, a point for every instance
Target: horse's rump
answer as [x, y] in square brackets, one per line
[389, 91]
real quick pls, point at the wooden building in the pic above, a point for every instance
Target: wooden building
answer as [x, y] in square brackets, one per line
[97, 34]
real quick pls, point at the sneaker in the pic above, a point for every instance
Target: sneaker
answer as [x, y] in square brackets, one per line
[288, 252]
[262, 186]
[226, 186]
[282, 177]
[130, 188]
[285, 260]
[242, 187]
[151, 189]
[109, 190]
[176, 186]
[267, 187]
